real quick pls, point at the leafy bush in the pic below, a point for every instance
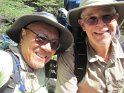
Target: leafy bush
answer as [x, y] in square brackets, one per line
[10, 11]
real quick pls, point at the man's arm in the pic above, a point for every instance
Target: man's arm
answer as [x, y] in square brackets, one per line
[66, 80]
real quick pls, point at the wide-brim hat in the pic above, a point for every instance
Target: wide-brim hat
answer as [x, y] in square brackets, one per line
[65, 35]
[74, 14]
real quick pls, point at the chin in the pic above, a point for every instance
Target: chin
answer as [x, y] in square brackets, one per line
[41, 66]
[38, 64]
[35, 67]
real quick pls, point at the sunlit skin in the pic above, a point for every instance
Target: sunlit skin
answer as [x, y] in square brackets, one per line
[37, 55]
[99, 35]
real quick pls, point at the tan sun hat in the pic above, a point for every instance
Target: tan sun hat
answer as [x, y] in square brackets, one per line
[75, 13]
[65, 35]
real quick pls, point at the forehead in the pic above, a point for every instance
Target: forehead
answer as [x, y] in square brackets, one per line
[98, 9]
[42, 25]
[47, 29]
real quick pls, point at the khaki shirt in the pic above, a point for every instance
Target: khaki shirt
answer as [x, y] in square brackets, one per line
[100, 77]
[34, 81]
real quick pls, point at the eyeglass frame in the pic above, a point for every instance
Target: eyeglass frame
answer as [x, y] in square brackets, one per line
[40, 37]
[113, 16]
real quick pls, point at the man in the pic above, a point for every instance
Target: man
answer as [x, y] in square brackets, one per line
[39, 36]
[99, 20]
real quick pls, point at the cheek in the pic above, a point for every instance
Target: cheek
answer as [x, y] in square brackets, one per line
[88, 29]
[113, 27]
[52, 56]
[28, 48]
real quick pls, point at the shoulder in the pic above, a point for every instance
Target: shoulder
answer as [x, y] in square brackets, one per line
[6, 67]
[3, 53]
[5, 57]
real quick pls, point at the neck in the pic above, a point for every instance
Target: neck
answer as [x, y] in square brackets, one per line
[103, 51]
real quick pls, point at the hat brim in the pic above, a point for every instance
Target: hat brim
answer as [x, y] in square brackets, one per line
[65, 35]
[74, 14]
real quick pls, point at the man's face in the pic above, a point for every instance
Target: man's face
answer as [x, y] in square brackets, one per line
[35, 52]
[99, 23]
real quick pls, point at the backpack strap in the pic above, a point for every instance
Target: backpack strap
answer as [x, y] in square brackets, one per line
[14, 78]
[79, 40]
[121, 40]
[80, 51]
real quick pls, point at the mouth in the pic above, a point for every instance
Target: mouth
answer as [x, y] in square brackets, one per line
[40, 55]
[101, 32]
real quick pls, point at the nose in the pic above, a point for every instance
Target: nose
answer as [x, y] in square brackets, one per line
[100, 22]
[46, 47]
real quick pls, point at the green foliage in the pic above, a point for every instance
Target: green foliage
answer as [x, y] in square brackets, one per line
[54, 57]
[50, 5]
[10, 11]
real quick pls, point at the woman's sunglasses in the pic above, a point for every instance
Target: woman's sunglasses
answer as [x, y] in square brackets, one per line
[93, 20]
[43, 39]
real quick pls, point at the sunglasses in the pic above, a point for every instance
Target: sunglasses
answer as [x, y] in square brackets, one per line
[43, 39]
[93, 20]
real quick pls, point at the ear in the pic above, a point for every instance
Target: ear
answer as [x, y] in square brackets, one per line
[116, 16]
[23, 33]
[81, 23]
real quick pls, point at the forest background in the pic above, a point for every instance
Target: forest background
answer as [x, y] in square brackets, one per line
[10, 10]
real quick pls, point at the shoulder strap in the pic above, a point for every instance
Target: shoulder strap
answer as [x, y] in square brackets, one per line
[14, 78]
[80, 53]
[80, 45]
[121, 40]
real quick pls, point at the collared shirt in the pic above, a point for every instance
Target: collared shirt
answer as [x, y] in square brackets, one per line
[100, 77]
[33, 81]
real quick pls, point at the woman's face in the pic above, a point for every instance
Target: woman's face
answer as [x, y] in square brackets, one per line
[99, 23]
[38, 51]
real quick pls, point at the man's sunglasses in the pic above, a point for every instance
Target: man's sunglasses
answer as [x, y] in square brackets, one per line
[43, 39]
[93, 20]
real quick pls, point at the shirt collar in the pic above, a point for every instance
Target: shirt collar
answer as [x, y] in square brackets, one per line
[116, 50]
[16, 51]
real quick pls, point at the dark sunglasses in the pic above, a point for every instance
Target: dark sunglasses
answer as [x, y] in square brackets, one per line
[93, 20]
[43, 39]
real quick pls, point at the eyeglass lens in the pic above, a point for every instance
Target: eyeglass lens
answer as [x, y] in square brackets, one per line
[43, 39]
[93, 20]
